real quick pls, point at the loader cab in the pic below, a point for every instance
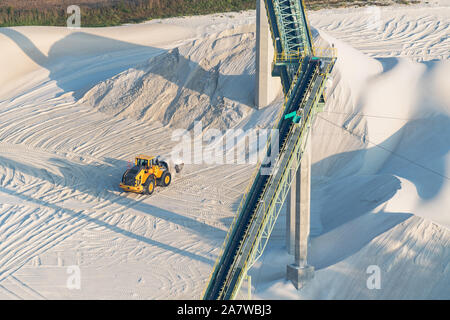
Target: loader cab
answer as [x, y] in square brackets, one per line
[141, 163]
[145, 161]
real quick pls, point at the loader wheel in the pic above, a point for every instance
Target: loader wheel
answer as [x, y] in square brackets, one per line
[124, 175]
[166, 179]
[164, 164]
[150, 186]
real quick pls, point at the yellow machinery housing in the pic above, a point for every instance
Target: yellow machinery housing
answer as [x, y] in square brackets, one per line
[145, 175]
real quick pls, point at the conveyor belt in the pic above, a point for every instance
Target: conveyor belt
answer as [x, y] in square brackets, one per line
[258, 211]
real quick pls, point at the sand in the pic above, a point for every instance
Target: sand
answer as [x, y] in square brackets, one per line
[77, 105]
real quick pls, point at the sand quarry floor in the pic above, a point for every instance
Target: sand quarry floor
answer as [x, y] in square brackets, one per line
[77, 105]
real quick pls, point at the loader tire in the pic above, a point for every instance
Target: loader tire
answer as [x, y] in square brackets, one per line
[164, 164]
[124, 175]
[150, 186]
[166, 179]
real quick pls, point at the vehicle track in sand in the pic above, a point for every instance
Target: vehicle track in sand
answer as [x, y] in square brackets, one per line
[49, 178]
[400, 31]
[61, 161]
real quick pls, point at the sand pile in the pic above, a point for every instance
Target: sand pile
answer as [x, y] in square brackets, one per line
[209, 80]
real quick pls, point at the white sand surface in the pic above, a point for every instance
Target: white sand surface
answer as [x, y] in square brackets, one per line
[77, 105]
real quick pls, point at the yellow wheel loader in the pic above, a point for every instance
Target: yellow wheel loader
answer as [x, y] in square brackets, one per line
[147, 173]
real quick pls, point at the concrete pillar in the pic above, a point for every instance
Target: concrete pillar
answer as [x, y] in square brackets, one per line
[267, 87]
[299, 272]
[292, 210]
[302, 225]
